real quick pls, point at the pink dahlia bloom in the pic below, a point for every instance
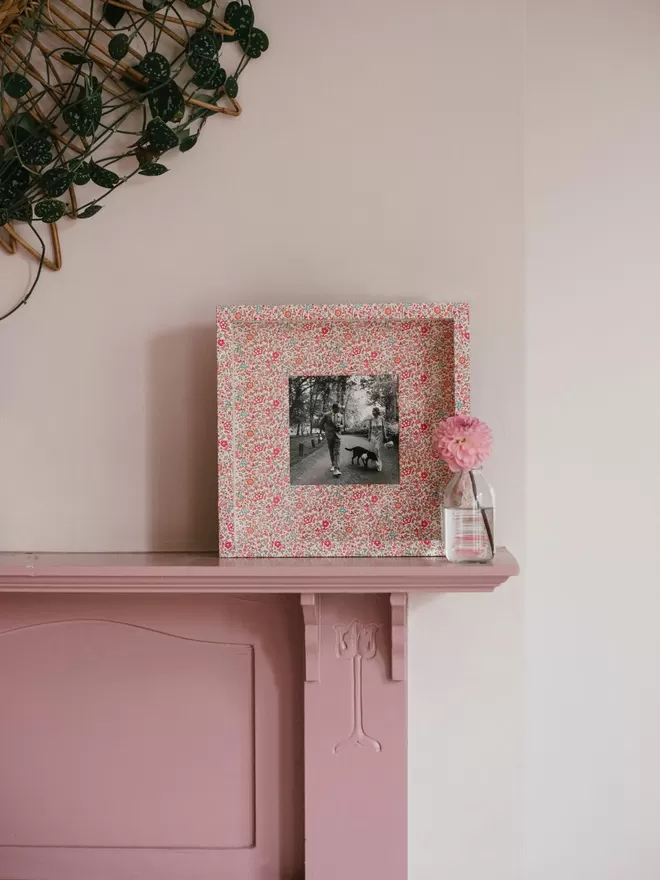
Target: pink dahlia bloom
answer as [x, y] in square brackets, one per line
[462, 442]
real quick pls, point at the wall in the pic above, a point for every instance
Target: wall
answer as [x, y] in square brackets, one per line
[592, 371]
[379, 157]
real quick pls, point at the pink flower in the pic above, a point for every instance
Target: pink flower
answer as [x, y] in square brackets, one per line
[462, 442]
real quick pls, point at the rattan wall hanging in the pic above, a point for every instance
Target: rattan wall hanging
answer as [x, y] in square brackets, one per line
[94, 93]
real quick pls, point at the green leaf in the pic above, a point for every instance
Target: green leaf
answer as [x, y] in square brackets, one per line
[144, 155]
[89, 212]
[195, 4]
[35, 151]
[118, 46]
[141, 86]
[103, 176]
[231, 87]
[209, 74]
[161, 136]
[4, 217]
[84, 115]
[188, 142]
[16, 85]
[75, 58]
[241, 17]
[167, 102]
[22, 126]
[55, 182]
[50, 210]
[255, 43]
[153, 169]
[153, 5]
[113, 14]
[155, 66]
[14, 181]
[81, 172]
[202, 45]
[21, 211]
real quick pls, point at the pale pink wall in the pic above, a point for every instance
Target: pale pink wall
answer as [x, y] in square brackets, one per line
[593, 371]
[379, 157]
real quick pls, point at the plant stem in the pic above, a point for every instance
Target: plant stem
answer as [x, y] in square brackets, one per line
[484, 515]
[27, 296]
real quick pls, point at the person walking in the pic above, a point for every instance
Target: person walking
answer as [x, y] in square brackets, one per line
[331, 426]
[377, 435]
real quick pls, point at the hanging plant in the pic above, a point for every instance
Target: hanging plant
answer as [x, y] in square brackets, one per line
[92, 97]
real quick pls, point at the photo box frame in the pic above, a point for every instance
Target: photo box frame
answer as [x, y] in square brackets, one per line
[296, 385]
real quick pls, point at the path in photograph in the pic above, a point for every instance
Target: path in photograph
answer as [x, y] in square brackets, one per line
[314, 469]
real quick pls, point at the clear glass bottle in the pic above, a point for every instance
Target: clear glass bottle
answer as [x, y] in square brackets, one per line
[468, 518]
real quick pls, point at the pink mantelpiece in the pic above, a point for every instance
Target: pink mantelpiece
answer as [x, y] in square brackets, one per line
[155, 710]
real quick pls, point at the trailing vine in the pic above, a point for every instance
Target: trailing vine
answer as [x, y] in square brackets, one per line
[95, 93]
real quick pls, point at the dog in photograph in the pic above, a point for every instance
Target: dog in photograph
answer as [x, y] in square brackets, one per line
[362, 455]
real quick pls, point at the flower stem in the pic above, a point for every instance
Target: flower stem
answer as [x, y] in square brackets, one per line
[484, 515]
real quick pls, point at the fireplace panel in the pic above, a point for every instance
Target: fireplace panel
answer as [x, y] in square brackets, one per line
[135, 728]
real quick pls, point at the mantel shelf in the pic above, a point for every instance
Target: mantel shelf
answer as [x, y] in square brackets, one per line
[115, 638]
[206, 573]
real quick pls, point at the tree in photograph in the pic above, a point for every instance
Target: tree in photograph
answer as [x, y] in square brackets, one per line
[383, 392]
[298, 389]
[352, 408]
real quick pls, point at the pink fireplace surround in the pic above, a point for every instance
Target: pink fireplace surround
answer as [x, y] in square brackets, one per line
[178, 717]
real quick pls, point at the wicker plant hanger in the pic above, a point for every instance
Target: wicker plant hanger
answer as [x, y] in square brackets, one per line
[10, 10]
[93, 93]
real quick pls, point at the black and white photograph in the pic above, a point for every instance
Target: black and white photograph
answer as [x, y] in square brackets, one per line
[344, 429]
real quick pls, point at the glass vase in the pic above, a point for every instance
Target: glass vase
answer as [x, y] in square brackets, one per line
[468, 518]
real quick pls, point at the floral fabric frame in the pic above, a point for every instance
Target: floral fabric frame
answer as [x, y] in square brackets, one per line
[259, 348]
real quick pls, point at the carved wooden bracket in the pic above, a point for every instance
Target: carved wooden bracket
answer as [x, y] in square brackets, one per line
[399, 610]
[398, 641]
[310, 609]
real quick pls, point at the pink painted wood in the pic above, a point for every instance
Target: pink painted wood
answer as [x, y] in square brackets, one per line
[205, 573]
[152, 714]
[150, 737]
[355, 747]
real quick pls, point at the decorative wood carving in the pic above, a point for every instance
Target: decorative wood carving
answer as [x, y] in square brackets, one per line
[399, 609]
[357, 642]
[310, 609]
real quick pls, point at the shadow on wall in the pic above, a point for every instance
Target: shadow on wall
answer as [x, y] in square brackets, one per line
[181, 440]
